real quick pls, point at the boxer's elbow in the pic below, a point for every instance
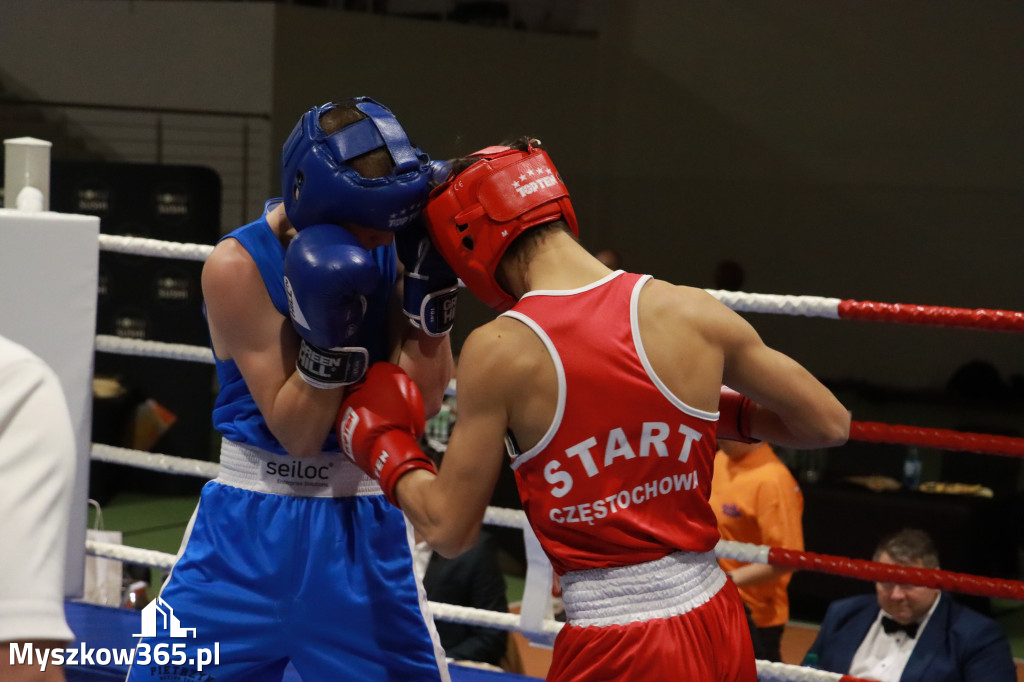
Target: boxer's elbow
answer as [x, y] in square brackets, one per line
[833, 428]
[451, 545]
[439, 517]
[452, 537]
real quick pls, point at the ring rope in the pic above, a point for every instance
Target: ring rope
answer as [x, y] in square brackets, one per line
[873, 432]
[448, 612]
[153, 349]
[937, 316]
[726, 549]
[187, 466]
[766, 671]
[904, 575]
[807, 306]
[154, 461]
[869, 432]
[870, 570]
[141, 246]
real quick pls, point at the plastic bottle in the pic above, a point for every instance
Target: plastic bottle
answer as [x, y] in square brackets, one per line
[912, 469]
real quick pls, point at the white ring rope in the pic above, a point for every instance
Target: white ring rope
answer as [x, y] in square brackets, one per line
[141, 246]
[153, 349]
[446, 612]
[809, 306]
[494, 516]
[766, 671]
[155, 461]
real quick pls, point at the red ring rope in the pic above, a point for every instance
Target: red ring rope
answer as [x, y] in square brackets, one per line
[874, 432]
[981, 318]
[873, 570]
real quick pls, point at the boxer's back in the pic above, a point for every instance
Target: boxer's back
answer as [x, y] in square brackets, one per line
[622, 472]
[681, 354]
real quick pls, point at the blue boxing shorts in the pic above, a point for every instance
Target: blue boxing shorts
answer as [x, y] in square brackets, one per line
[291, 560]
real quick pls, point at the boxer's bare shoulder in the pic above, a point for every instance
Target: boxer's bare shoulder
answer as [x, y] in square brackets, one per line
[508, 348]
[665, 298]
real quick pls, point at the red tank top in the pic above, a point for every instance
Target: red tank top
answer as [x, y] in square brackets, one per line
[623, 474]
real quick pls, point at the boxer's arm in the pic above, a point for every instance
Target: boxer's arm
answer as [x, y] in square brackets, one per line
[448, 509]
[426, 359]
[247, 328]
[792, 408]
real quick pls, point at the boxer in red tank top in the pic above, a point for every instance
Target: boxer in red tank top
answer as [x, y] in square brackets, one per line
[609, 389]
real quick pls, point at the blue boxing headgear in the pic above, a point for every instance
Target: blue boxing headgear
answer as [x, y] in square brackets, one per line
[319, 186]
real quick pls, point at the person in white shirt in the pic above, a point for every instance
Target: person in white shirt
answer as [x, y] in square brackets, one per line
[907, 633]
[37, 468]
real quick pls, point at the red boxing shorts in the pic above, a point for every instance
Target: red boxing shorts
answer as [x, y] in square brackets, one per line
[710, 643]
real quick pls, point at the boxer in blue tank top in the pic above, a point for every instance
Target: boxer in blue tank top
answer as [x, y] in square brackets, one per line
[293, 555]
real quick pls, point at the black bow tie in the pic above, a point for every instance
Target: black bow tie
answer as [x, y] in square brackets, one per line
[890, 626]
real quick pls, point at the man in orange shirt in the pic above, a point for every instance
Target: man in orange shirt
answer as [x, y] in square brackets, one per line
[757, 500]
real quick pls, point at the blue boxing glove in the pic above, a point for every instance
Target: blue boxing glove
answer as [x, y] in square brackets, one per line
[430, 286]
[327, 276]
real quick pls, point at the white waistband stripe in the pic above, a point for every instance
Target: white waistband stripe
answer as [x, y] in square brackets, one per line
[329, 475]
[664, 588]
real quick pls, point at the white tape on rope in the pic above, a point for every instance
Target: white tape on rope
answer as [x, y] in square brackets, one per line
[130, 555]
[742, 551]
[155, 461]
[808, 306]
[509, 518]
[768, 671]
[153, 349]
[140, 246]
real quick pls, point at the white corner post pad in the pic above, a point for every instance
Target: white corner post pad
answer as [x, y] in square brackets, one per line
[49, 267]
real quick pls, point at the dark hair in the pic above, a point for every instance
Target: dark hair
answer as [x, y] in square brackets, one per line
[373, 164]
[909, 546]
[521, 143]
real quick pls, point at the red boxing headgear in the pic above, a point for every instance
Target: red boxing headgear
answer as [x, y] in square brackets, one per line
[474, 216]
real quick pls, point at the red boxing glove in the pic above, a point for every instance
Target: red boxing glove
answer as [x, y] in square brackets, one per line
[379, 424]
[734, 412]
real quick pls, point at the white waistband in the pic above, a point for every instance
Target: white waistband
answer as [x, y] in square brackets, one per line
[328, 475]
[663, 588]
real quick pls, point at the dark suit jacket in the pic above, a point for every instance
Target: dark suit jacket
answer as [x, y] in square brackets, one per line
[470, 579]
[957, 645]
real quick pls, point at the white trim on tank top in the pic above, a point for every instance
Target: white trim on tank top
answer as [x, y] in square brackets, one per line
[518, 460]
[559, 371]
[571, 292]
[634, 323]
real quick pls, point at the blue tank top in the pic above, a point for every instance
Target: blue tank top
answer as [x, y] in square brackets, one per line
[235, 414]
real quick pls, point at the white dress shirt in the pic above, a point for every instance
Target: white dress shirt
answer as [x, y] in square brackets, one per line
[883, 656]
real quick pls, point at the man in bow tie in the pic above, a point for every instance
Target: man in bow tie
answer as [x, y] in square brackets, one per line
[910, 633]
